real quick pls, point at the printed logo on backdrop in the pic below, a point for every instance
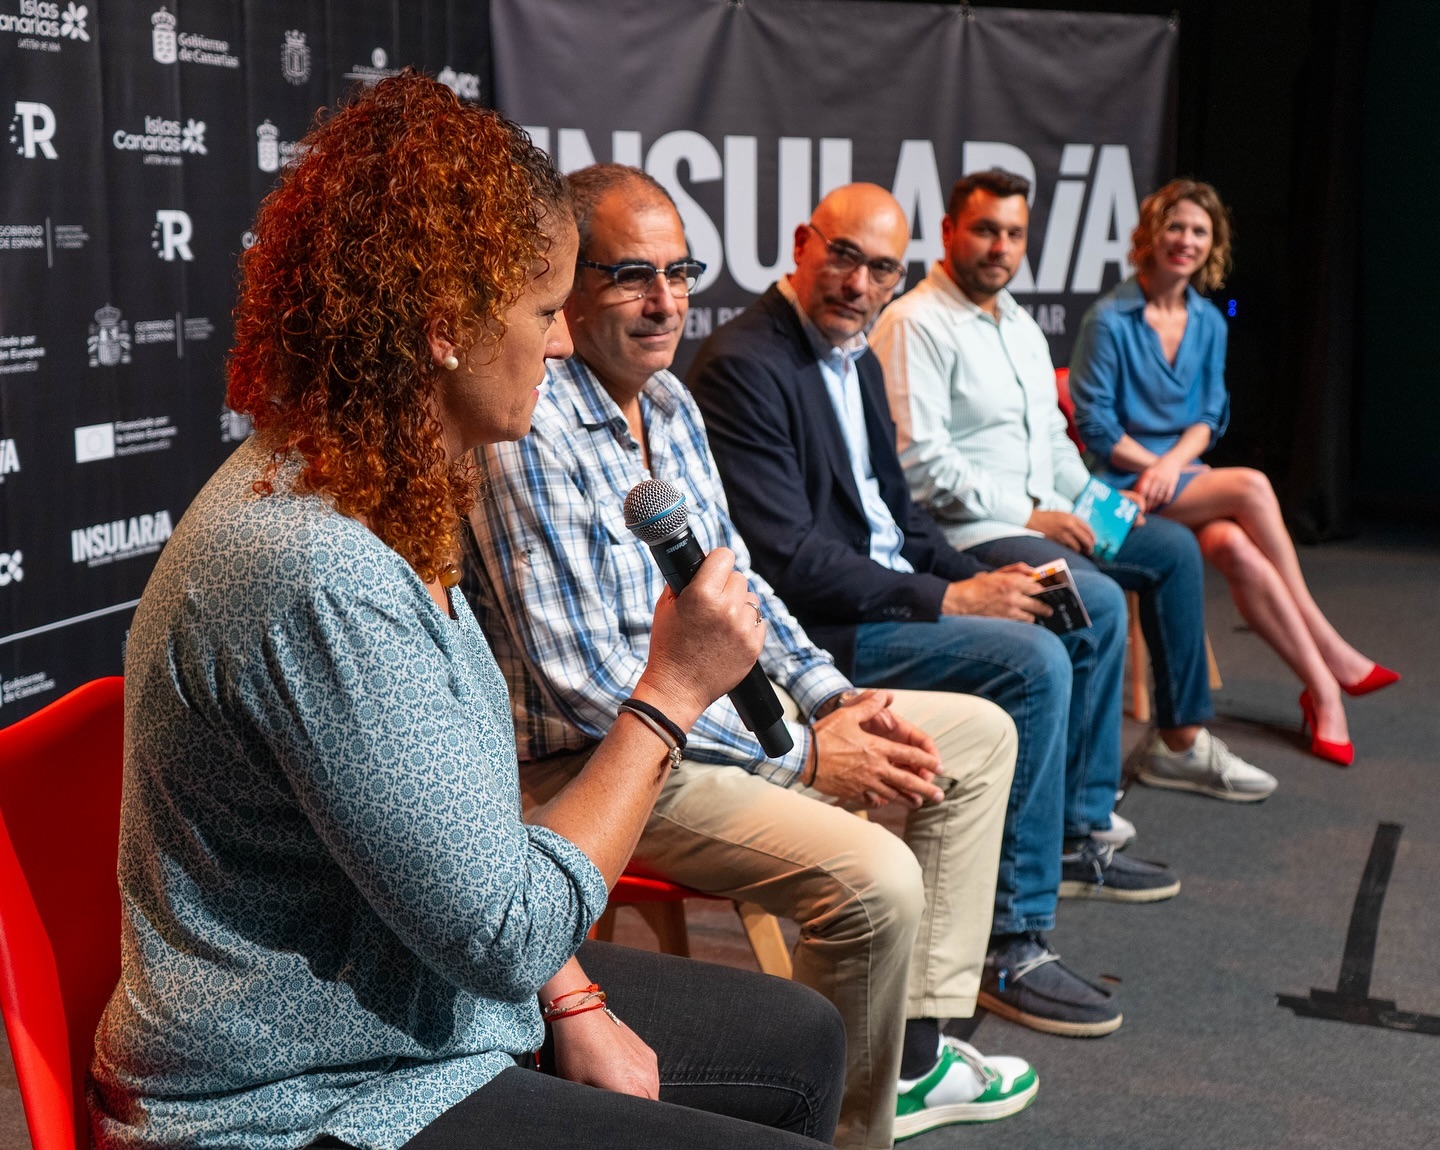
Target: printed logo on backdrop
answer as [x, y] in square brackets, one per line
[41, 25]
[168, 46]
[272, 153]
[163, 141]
[23, 686]
[31, 130]
[1074, 255]
[373, 72]
[11, 567]
[466, 85]
[171, 235]
[120, 539]
[98, 441]
[20, 354]
[48, 237]
[109, 340]
[295, 58]
[177, 331]
[235, 427]
[9, 459]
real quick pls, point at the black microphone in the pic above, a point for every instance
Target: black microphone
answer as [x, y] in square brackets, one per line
[655, 513]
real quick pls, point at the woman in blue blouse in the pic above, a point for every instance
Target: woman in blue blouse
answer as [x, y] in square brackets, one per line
[1148, 379]
[336, 928]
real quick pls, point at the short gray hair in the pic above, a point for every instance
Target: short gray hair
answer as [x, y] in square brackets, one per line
[588, 186]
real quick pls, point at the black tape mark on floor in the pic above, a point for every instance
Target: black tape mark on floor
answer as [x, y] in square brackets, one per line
[1350, 1001]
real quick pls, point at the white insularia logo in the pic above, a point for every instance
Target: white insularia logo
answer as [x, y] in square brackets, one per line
[121, 539]
[31, 130]
[295, 58]
[162, 37]
[9, 459]
[170, 236]
[109, 341]
[10, 569]
[466, 85]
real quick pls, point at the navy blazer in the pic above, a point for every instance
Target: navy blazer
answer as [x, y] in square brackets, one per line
[792, 494]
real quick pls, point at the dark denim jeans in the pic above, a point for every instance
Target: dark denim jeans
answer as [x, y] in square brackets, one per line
[1064, 695]
[1161, 561]
[745, 1060]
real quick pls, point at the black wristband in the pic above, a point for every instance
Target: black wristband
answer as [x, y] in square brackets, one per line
[660, 717]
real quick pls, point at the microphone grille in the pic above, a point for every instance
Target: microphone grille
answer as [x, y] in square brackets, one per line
[654, 510]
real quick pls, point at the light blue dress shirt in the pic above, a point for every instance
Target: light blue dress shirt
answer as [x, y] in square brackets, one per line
[333, 919]
[842, 383]
[1122, 383]
[977, 420]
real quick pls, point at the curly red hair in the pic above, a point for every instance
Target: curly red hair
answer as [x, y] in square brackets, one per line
[407, 209]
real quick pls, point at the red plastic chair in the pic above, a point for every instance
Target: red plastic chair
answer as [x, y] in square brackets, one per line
[661, 904]
[1067, 405]
[59, 901]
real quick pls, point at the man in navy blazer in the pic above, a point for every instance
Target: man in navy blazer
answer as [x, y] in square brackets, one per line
[797, 419]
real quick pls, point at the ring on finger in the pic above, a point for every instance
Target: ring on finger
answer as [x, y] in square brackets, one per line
[759, 618]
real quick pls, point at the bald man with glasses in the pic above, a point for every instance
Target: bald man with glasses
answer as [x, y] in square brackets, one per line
[797, 418]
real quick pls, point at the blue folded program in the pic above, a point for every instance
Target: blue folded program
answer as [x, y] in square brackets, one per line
[1109, 514]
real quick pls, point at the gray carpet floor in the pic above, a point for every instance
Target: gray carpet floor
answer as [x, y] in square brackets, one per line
[1206, 1060]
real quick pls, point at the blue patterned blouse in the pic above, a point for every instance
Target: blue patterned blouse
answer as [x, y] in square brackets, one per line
[334, 921]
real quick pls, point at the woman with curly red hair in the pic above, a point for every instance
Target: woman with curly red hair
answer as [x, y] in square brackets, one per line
[336, 928]
[1148, 378]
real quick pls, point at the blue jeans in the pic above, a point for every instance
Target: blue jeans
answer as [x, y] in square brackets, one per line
[1041, 681]
[1161, 561]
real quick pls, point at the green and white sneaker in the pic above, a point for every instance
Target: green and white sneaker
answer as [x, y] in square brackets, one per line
[964, 1086]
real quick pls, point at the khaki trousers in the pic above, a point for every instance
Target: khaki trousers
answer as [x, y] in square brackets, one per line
[889, 930]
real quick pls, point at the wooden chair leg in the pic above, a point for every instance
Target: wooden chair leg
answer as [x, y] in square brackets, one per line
[1215, 681]
[763, 930]
[667, 920]
[1138, 657]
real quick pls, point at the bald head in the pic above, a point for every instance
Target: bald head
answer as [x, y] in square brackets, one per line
[848, 258]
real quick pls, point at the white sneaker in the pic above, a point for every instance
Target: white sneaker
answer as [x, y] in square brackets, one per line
[1121, 833]
[963, 1086]
[1209, 767]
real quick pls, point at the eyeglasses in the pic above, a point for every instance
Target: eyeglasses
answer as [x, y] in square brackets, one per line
[845, 257]
[634, 279]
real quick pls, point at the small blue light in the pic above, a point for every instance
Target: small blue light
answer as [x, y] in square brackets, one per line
[1230, 308]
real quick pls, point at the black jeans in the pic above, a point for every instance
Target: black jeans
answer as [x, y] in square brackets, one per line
[745, 1060]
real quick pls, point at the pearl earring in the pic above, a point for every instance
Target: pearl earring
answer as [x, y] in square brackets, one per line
[450, 363]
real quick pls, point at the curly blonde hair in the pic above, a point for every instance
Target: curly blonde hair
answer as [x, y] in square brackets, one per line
[407, 208]
[1155, 213]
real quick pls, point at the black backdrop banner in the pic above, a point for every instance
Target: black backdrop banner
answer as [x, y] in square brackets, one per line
[139, 139]
[748, 113]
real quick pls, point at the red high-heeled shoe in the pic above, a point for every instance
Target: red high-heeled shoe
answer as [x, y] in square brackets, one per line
[1378, 677]
[1341, 753]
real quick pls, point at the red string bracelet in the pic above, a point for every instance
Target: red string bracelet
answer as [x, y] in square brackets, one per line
[574, 1010]
[591, 989]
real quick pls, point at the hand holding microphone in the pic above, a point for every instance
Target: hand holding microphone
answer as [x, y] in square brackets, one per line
[655, 513]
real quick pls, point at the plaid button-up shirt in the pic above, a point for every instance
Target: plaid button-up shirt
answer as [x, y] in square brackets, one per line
[566, 594]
